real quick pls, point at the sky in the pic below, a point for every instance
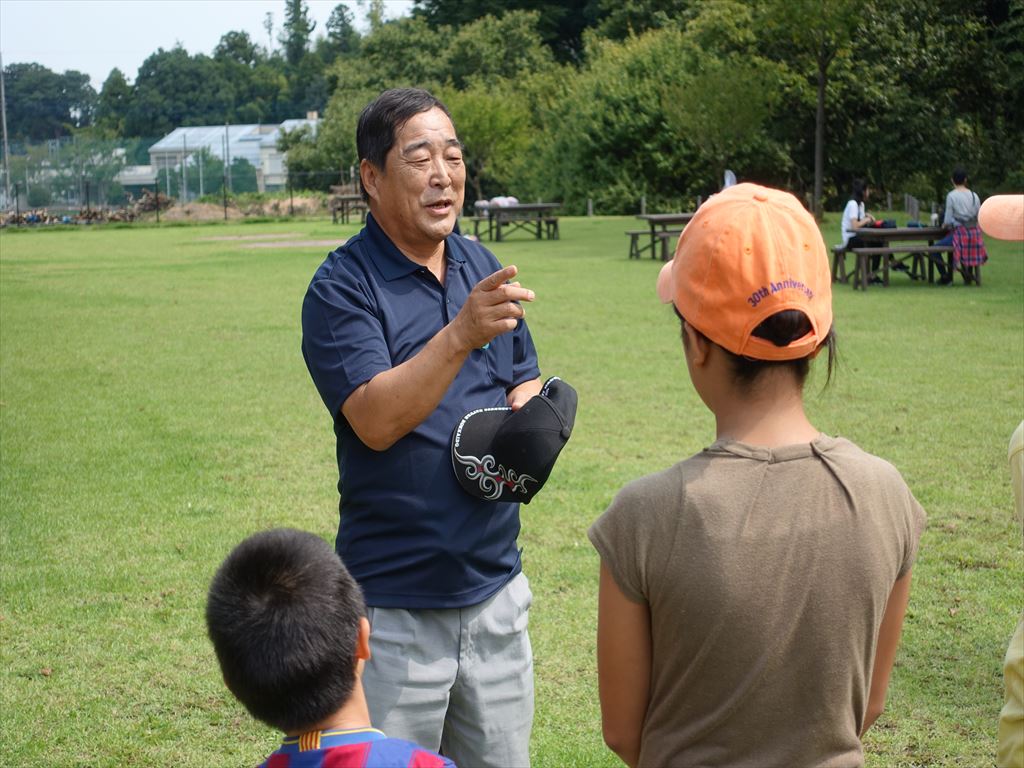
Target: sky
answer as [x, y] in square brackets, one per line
[94, 36]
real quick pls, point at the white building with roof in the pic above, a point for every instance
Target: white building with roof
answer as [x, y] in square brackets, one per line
[135, 178]
[254, 143]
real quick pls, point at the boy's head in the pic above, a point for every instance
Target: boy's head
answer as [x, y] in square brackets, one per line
[751, 274]
[284, 616]
[959, 175]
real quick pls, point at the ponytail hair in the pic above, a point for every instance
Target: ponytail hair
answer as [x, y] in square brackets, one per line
[781, 329]
[857, 190]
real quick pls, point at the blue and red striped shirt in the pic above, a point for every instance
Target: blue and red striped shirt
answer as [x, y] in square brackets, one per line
[355, 748]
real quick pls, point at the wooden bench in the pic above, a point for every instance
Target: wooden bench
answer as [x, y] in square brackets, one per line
[862, 272]
[476, 221]
[839, 273]
[344, 208]
[667, 238]
[971, 274]
[634, 242]
[551, 227]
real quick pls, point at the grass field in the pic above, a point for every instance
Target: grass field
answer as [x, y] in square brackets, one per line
[155, 409]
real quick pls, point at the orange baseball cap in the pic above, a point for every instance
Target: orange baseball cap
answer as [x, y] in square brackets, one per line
[748, 253]
[1002, 217]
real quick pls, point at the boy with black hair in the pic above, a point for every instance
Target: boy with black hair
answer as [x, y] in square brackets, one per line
[289, 627]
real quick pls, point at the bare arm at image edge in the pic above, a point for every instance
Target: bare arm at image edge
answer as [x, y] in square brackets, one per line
[623, 668]
[885, 651]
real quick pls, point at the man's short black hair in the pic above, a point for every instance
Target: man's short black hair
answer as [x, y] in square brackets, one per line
[283, 615]
[382, 119]
[959, 175]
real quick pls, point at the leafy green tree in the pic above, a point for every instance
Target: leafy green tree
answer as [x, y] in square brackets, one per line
[408, 52]
[238, 47]
[403, 52]
[93, 159]
[494, 139]
[921, 89]
[724, 106]
[316, 162]
[243, 176]
[39, 195]
[173, 89]
[561, 23]
[374, 13]
[114, 100]
[309, 166]
[308, 88]
[662, 114]
[42, 104]
[1005, 33]
[723, 112]
[25, 167]
[606, 137]
[342, 37]
[815, 32]
[508, 46]
[298, 28]
[473, 65]
[618, 20]
[258, 89]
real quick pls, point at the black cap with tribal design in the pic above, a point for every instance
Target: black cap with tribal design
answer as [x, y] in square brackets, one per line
[503, 455]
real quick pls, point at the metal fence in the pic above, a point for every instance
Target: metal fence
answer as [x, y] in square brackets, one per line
[74, 174]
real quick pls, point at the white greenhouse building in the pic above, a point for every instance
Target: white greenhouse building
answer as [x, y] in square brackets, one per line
[256, 144]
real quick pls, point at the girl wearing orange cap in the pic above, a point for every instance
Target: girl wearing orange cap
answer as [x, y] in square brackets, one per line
[752, 596]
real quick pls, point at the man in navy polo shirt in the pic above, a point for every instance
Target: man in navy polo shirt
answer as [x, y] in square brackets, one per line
[405, 329]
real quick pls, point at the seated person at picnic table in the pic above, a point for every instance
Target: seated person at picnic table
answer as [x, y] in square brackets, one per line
[289, 627]
[751, 597]
[855, 216]
[961, 218]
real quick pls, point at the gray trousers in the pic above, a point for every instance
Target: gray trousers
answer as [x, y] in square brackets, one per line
[458, 680]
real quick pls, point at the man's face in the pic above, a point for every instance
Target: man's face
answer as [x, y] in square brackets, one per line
[418, 196]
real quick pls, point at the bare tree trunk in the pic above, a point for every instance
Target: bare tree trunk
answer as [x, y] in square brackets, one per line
[477, 187]
[819, 142]
[474, 174]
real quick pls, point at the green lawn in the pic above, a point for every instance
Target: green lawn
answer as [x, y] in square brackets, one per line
[155, 409]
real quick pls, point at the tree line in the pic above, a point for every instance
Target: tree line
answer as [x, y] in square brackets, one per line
[608, 101]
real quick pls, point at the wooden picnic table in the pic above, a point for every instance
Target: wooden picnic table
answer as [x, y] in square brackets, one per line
[536, 218]
[894, 245]
[343, 205]
[663, 226]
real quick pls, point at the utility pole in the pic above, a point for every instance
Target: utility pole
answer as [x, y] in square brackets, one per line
[227, 155]
[184, 169]
[7, 151]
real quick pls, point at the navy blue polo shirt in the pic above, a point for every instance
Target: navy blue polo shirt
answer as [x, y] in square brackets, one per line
[408, 533]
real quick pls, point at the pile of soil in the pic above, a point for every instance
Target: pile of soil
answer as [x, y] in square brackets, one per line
[199, 212]
[302, 206]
